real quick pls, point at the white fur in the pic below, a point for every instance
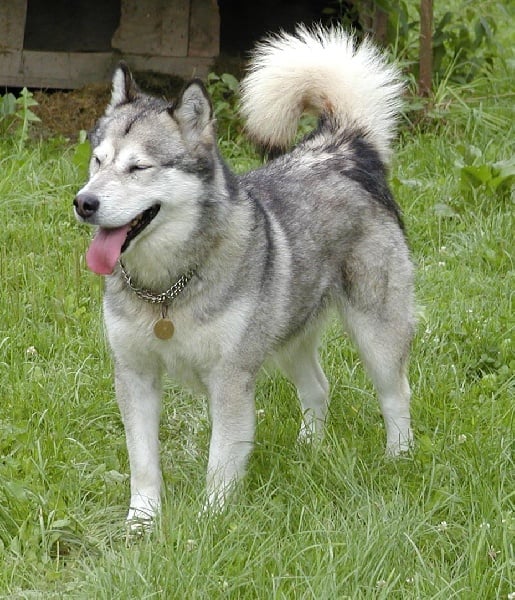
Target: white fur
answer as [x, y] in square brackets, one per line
[118, 90]
[324, 71]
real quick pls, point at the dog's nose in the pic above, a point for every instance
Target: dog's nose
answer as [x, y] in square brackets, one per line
[86, 205]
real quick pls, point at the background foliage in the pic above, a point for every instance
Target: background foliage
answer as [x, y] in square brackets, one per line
[465, 32]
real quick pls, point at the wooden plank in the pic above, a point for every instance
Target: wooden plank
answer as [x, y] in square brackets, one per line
[10, 67]
[185, 67]
[12, 24]
[68, 70]
[204, 34]
[153, 27]
[56, 69]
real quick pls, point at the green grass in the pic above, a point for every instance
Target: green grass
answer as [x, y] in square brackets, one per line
[334, 521]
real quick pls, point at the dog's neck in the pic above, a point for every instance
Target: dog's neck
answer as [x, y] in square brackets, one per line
[152, 297]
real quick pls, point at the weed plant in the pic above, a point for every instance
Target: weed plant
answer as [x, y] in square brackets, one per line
[333, 521]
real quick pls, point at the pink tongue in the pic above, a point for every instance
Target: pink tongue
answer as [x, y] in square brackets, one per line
[105, 249]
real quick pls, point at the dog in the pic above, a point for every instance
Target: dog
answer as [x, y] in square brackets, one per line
[209, 274]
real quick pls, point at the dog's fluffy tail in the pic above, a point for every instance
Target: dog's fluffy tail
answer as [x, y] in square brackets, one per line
[321, 70]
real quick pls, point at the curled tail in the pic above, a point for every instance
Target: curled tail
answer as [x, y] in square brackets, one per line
[320, 70]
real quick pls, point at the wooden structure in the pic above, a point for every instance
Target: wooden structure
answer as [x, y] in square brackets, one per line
[179, 37]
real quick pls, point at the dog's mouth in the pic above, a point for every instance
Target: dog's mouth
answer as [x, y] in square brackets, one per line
[137, 225]
[108, 244]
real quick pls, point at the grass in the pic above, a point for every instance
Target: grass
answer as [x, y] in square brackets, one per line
[334, 521]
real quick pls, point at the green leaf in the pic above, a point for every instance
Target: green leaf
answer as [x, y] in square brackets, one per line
[7, 105]
[231, 82]
[61, 523]
[26, 98]
[476, 176]
[81, 154]
[444, 210]
[499, 182]
[16, 490]
[30, 116]
[469, 152]
[505, 168]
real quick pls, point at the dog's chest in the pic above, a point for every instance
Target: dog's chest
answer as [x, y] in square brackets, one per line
[197, 344]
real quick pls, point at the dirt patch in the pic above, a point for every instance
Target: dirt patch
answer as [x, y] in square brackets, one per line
[66, 113]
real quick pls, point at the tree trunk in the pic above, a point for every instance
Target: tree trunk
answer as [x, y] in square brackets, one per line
[426, 47]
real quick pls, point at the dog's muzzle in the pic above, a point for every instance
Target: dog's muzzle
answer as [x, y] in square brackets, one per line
[86, 205]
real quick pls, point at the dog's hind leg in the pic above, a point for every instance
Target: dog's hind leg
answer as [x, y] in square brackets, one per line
[300, 363]
[383, 342]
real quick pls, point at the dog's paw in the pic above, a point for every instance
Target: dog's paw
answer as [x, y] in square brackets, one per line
[214, 504]
[310, 433]
[138, 524]
[400, 446]
[142, 513]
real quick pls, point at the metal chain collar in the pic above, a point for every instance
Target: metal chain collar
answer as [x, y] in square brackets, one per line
[162, 298]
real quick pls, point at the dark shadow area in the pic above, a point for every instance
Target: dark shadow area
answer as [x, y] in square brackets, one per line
[71, 26]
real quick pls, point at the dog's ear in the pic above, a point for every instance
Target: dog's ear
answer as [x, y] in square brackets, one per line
[193, 111]
[124, 88]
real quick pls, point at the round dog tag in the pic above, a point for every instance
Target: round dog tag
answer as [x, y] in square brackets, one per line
[163, 329]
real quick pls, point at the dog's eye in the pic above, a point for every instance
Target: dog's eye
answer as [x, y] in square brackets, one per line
[95, 162]
[136, 168]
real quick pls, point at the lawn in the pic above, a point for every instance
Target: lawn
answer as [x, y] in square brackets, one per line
[338, 520]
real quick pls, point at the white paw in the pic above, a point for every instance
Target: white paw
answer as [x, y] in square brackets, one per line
[400, 445]
[138, 523]
[311, 431]
[142, 513]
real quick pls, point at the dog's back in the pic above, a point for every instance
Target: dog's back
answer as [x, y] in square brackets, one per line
[329, 195]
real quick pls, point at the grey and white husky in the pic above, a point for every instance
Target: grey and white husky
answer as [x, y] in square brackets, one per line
[209, 274]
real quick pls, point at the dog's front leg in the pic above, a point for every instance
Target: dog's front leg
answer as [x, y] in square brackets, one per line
[231, 395]
[139, 398]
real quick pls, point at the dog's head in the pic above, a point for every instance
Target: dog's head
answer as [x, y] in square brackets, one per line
[150, 162]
